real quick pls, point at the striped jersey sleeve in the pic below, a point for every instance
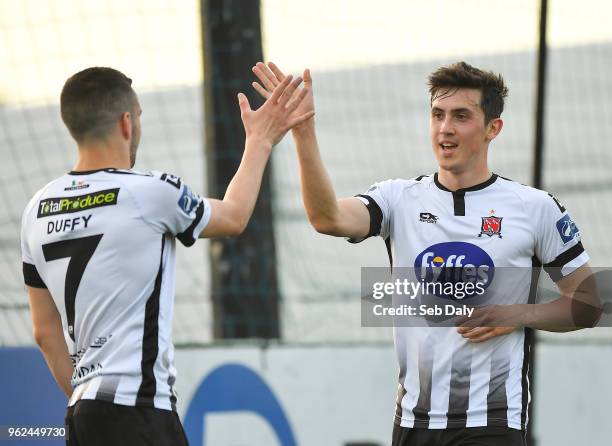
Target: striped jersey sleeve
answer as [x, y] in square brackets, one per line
[558, 239]
[31, 276]
[172, 207]
[377, 200]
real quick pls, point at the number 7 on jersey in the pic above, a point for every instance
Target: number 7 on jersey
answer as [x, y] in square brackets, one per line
[80, 251]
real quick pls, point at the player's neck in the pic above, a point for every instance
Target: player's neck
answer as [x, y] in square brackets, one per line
[101, 155]
[462, 180]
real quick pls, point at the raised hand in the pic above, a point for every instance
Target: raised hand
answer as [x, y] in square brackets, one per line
[271, 76]
[277, 115]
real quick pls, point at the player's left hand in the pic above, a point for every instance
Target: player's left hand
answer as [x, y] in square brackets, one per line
[481, 334]
[270, 76]
[488, 322]
[277, 115]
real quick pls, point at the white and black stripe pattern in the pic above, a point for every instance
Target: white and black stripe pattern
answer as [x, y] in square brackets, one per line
[446, 382]
[31, 276]
[121, 288]
[459, 395]
[108, 388]
[150, 345]
[425, 365]
[497, 398]
[189, 236]
[554, 268]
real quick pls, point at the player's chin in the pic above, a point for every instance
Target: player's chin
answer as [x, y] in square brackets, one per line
[447, 163]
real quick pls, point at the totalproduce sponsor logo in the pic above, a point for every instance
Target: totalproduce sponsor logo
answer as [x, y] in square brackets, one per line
[67, 205]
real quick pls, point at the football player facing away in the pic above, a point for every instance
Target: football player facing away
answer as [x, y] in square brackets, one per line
[468, 384]
[98, 248]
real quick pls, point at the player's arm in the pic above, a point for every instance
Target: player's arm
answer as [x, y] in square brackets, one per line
[345, 217]
[264, 128]
[579, 305]
[47, 326]
[229, 217]
[558, 246]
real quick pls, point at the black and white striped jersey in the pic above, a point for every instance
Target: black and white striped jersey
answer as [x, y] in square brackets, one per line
[103, 243]
[446, 382]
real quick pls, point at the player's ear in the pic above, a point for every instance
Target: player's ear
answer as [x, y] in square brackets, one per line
[125, 125]
[493, 128]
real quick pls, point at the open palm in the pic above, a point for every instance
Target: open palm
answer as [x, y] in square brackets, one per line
[277, 115]
[270, 76]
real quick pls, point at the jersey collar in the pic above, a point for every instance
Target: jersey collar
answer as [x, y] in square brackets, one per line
[459, 194]
[479, 186]
[88, 172]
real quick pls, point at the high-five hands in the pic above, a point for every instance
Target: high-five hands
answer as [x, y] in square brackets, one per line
[271, 77]
[278, 114]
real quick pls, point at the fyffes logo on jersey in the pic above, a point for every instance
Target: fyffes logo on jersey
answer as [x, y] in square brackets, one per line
[453, 265]
[67, 205]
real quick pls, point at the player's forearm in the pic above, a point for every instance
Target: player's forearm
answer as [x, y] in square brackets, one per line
[561, 315]
[58, 359]
[317, 190]
[242, 192]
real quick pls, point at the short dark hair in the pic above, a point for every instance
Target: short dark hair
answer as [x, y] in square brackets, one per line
[93, 100]
[462, 75]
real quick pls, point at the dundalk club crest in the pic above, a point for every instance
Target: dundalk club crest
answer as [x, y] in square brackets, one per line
[491, 226]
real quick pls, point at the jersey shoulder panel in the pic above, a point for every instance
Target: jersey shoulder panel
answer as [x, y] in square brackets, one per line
[534, 199]
[382, 197]
[33, 203]
[168, 204]
[154, 193]
[28, 218]
[558, 239]
[390, 190]
[403, 183]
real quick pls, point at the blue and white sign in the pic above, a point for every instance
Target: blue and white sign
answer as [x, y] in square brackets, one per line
[234, 388]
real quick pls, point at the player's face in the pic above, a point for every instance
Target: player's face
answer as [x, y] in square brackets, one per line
[136, 132]
[459, 135]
